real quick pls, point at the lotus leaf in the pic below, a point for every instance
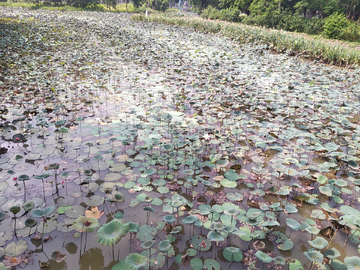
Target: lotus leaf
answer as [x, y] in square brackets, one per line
[111, 232]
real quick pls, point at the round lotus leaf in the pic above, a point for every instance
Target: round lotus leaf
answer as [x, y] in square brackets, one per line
[164, 246]
[234, 196]
[44, 212]
[257, 234]
[147, 244]
[176, 230]
[352, 263]
[15, 209]
[157, 202]
[112, 177]
[211, 264]
[270, 223]
[30, 222]
[279, 260]
[191, 252]
[245, 234]
[291, 209]
[133, 227]
[149, 171]
[348, 210]
[228, 183]
[232, 254]
[50, 226]
[314, 255]
[144, 181]
[169, 219]
[6, 235]
[319, 243]
[201, 243]
[196, 264]
[293, 224]
[111, 232]
[215, 236]
[75, 211]
[144, 197]
[190, 219]
[163, 190]
[332, 253]
[326, 190]
[317, 213]
[15, 249]
[321, 179]
[231, 175]
[135, 261]
[95, 200]
[312, 230]
[286, 245]
[263, 257]
[3, 186]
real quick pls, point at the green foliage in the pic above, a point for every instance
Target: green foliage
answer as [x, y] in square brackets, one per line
[160, 5]
[229, 14]
[334, 24]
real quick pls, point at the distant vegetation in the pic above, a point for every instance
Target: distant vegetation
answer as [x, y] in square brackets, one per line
[337, 19]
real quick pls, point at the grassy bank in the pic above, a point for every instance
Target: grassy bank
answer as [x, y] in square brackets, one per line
[326, 50]
[96, 7]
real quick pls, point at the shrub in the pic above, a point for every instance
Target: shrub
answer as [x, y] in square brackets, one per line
[351, 32]
[334, 24]
[160, 5]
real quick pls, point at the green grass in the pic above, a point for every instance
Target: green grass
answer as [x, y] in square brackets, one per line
[326, 50]
[62, 7]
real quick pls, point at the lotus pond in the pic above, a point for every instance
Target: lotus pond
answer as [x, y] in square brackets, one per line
[134, 145]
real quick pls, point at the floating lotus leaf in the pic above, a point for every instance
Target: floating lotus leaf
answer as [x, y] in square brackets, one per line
[95, 200]
[263, 257]
[146, 233]
[297, 265]
[279, 260]
[135, 261]
[75, 211]
[111, 233]
[201, 243]
[231, 175]
[319, 243]
[150, 171]
[211, 264]
[291, 209]
[232, 254]
[321, 179]
[163, 190]
[293, 224]
[286, 245]
[111, 177]
[257, 234]
[50, 225]
[314, 255]
[352, 263]
[15, 249]
[191, 252]
[326, 190]
[196, 264]
[227, 183]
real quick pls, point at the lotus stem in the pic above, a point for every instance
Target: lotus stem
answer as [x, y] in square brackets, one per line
[24, 192]
[43, 188]
[42, 235]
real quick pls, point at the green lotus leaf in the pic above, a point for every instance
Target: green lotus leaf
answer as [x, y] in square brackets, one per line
[288, 244]
[231, 175]
[148, 244]
[263, 257]
[135, 261]
[23, 177]
[211, 264]
[44, 212]
[352, 263]
[332, 253]
[15, 249]
[314, 255]
[164, 246]
[321, 179]
[293, 224]
[297, 265]
[201, 243]
[319, 243]
[270, 223]
[232, 254]
[190, 219]
[196, 264]
[86, 224]
[191, 252]
[291, 209]
[169, 219]
[30, 222]
[215, 236]
[228, 183]
[133, 227]
[279, 260]
[111, 233]
[326, 190]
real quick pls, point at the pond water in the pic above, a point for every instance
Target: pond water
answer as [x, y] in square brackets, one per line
[130, 137]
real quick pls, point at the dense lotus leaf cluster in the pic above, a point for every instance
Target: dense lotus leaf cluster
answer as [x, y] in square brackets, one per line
[223, 143]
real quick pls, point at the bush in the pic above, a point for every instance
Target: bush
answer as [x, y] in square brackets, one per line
[351, 32]
[160, 5]
[334, 24]
[229, 14]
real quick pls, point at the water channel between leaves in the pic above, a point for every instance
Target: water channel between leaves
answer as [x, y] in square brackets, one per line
[136, 144]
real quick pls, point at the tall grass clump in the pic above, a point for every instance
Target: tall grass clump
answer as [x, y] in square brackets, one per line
[328, 51]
